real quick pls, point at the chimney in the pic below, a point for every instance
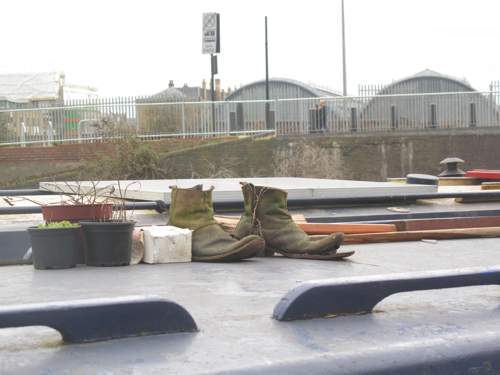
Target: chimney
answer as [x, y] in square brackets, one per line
[171, 83]
[217, 89]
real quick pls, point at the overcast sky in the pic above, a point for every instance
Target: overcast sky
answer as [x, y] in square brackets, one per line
[135, 47]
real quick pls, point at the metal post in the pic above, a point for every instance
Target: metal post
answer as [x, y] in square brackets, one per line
[394, 122]
[433, 116]
[472, 117]
[212, 89]
[268, 124]
[79, 131]
[183, 121]
[354, 120]
[23, 133]
[344, 91]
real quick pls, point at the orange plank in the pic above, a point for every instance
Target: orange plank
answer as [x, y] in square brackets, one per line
[320, 228]
[328, 228]
[448, 223]
[442, 234]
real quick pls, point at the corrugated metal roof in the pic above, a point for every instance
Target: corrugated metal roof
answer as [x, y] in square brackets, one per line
[314, 91]
[33, 86]
[427, 73]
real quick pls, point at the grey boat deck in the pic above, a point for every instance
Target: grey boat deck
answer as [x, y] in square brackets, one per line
[232, 305]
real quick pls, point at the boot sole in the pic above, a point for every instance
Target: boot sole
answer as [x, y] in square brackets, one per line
[248, 250]
[327, 256]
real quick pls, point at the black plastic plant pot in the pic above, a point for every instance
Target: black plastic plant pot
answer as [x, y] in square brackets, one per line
[108, 243]
[54, 248]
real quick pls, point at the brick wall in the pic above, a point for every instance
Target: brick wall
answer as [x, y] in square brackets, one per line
[80, 152]
[55, 153]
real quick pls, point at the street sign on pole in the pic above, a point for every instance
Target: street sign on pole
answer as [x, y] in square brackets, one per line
[211, 45]
[211, 33]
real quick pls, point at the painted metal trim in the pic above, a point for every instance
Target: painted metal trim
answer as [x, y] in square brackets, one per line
[90, 320]
[316, 299]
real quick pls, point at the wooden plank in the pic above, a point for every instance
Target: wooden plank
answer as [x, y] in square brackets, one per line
[443, 234]
[298, 218]
[490, 186]
[458, 181]
[230, 222]
[313, 228]
[448, 223]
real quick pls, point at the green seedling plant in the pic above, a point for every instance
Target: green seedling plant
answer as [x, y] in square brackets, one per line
[58, 224]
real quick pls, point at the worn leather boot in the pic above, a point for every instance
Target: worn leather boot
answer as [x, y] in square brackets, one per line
[266, 214]
[193, 209]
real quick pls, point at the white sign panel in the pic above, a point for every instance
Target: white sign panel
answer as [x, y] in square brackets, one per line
[210, 41]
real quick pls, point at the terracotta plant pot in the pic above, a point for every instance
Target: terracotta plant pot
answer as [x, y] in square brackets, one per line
[77, 212]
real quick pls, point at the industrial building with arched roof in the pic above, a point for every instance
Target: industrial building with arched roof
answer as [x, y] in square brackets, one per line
[399, 105]
[425, 100]
[286, 116]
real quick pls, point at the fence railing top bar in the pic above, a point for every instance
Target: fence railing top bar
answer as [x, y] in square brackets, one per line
[59, 107]
[103, 103]
[326, 98]
[147, 104]
[195, 134]
[458, 93]
[367, 97]
[137, 102]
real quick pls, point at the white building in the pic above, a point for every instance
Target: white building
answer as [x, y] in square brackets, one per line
[39, 90]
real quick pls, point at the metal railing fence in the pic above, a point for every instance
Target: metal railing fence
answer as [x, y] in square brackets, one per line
[103, 119]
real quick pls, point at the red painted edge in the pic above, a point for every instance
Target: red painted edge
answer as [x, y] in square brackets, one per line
[485, 174]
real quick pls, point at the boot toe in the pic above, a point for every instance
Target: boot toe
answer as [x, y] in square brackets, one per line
[325, 245]
[247, 247]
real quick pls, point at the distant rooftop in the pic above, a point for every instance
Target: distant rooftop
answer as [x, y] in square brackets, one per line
[33, 86]
[184, 93]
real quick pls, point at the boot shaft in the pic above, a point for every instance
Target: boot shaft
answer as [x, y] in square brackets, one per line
[191, 208]
[260, 201]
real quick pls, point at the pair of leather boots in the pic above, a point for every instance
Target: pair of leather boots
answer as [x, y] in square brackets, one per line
[265, 227]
